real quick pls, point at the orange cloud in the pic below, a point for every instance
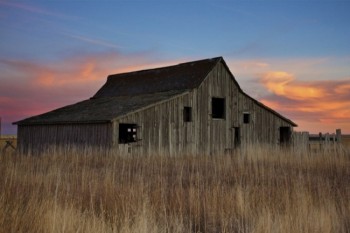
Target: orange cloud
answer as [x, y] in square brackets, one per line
[324, 102]
[283, 83]
[91, 70]
[28, 88]
[344, 89]
[321, 103]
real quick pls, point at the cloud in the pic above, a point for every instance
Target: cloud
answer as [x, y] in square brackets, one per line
[283, 83]
[32, 87]
[313, 92]
[325, 102]
[31, 9]
[92, 40]
[29, 88]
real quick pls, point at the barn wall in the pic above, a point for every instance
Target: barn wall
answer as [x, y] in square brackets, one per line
[218, 135]
[163, 130]
[264, 126]
[39, 137]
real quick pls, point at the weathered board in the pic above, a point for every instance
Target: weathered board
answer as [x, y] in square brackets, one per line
[40, 137]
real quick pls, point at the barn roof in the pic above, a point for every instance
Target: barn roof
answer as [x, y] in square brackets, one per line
[128, 92]
[99, 110]
[185, 76]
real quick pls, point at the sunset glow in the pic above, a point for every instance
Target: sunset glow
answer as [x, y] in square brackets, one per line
[326, 102]
[56, 53]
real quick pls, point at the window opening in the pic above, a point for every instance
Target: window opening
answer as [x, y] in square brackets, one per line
[218, 108]
[246, 118]
[127, 133]
[187, 114]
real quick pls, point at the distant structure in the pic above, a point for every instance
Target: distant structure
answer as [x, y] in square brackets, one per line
[193, 107]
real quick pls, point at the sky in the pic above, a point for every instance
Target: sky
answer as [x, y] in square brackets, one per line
[292, 55]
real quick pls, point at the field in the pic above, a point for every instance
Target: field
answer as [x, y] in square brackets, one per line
[257, 190]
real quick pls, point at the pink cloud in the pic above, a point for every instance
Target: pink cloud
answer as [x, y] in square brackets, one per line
[30, 88]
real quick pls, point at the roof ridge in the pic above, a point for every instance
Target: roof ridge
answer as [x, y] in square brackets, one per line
[181, 76]
[163, 67]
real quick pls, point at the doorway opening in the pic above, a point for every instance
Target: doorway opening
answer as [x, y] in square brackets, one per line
[285, 136]
[237, 137]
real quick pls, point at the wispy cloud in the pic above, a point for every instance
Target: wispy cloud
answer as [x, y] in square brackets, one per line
[94, 41]
[32, 9]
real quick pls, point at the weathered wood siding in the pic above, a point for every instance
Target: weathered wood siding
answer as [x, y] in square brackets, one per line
[264, 126]
[163, 130]
[39, 137]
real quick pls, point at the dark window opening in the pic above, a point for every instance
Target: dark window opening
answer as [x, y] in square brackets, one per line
[127, 133]
[285, 135]
[218, 108]
[246, 118]
[237, 139]
[187, 114]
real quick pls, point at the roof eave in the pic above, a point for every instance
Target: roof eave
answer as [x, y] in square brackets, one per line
[23, 123]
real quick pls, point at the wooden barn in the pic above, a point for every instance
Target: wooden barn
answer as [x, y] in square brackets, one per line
[194, 107]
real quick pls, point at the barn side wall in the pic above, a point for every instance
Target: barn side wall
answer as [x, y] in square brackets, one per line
[162, 128]
[39, 137]
[264, 126]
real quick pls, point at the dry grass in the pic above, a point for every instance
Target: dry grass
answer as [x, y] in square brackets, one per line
[260, 190]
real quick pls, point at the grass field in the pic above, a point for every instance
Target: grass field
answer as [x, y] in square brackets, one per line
[259, 190]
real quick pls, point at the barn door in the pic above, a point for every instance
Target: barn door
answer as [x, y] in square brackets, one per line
[237, 137]
[285, 136]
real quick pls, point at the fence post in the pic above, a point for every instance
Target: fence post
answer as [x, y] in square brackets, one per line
[338, 132]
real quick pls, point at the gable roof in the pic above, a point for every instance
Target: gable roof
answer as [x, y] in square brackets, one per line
[128, 92]
[184, 76]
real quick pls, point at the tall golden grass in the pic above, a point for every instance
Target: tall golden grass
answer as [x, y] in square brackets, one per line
[256, 190]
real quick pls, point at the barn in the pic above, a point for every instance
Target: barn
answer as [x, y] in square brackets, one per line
[193, 107]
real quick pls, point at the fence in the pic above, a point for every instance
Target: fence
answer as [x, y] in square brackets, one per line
[8, 143]
[318, 142]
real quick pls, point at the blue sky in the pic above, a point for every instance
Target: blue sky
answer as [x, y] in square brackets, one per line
[294, 56]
